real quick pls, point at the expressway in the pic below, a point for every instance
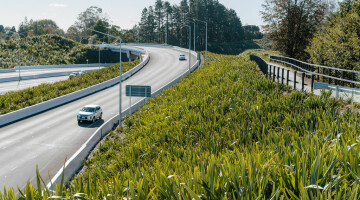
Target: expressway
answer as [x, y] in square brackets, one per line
[34, 72]
[20, 85]
[35, 77]
[47, 139]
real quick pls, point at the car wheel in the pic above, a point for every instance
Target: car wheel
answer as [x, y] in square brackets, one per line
[100, 117]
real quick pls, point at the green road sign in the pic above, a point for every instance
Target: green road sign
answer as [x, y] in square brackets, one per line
[138, 91]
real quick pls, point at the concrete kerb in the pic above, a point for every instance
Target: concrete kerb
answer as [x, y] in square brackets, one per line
[47, 105]
[74, 164]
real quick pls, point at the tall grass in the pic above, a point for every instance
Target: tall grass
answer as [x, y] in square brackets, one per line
[226, 132]
[15, 100]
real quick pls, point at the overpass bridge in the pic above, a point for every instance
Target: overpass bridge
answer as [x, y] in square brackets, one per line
[131, 52]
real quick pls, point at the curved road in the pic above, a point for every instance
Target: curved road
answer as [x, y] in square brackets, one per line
[50, 137]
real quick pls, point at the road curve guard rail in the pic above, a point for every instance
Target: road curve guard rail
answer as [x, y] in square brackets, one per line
[261, 63]
[327, 74]
[273, 73]
[47, 105]
[74, 164]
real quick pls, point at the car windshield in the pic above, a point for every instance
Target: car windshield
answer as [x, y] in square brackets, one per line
[182, 55]
[88, 109]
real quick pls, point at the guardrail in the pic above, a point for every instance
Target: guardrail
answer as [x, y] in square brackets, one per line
[270, 72]
[75, 163]
[328, 74]
[262, 63]
[41, 107]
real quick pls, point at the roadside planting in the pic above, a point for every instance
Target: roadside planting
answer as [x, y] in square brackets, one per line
[16, 100]
[224, 132]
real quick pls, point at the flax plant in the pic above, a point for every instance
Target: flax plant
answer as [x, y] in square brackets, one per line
[225, 132]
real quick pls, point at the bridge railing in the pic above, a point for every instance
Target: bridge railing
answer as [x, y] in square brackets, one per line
[322, 73]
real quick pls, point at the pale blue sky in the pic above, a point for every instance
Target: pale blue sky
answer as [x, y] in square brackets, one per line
[124, 13]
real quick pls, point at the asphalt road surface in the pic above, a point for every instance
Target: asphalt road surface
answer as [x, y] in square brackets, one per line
[32, 72]
[48, 138]
[20, 85]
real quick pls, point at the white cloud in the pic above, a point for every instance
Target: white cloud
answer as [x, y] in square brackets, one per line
[58, 5]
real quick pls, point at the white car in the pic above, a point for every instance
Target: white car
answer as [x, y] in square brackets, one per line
[89, 113]
[74, 74]
[82, 73]
[182, 57]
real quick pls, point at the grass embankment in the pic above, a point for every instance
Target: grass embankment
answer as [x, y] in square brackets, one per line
[42, 50]
[226, 132]
[16, 100]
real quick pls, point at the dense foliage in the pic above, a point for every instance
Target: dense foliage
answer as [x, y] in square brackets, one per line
[94, 18]
[292, 23]
[161, 23]
[15, 100]
[226, 132]
[337, 44]
[41, 50]
[39, 27]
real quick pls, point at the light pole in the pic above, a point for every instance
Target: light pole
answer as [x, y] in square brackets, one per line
[189, 43]
[19, 51]
[120, 84]
[194, 36]
[206, 37]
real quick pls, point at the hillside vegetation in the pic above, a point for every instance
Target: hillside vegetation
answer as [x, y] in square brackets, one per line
[41, 50]
[337, 43]
[225, 132]
[16, 100]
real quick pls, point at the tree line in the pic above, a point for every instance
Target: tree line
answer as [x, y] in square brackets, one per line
[317, 31]
[164, 23]
[159, 23]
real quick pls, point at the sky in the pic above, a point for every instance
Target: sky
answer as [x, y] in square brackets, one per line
[122, 13]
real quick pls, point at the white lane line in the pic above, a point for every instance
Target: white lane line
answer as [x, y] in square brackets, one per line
[12, 169]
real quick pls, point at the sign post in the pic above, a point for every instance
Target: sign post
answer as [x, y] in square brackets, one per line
[137, 91]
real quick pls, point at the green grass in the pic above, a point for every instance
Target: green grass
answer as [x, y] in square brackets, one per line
[225, 132]
[16, 100]
[42, 50]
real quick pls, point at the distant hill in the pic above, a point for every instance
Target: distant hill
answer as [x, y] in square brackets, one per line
[42, 50]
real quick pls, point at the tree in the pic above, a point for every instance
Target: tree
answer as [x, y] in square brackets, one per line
[39, 27]
[159, 14]
[90, 16]
[252, 32]
[337, 44]
[161, 23]
[292, 23]
[73, 33]
[100, 26]
[88, 19]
